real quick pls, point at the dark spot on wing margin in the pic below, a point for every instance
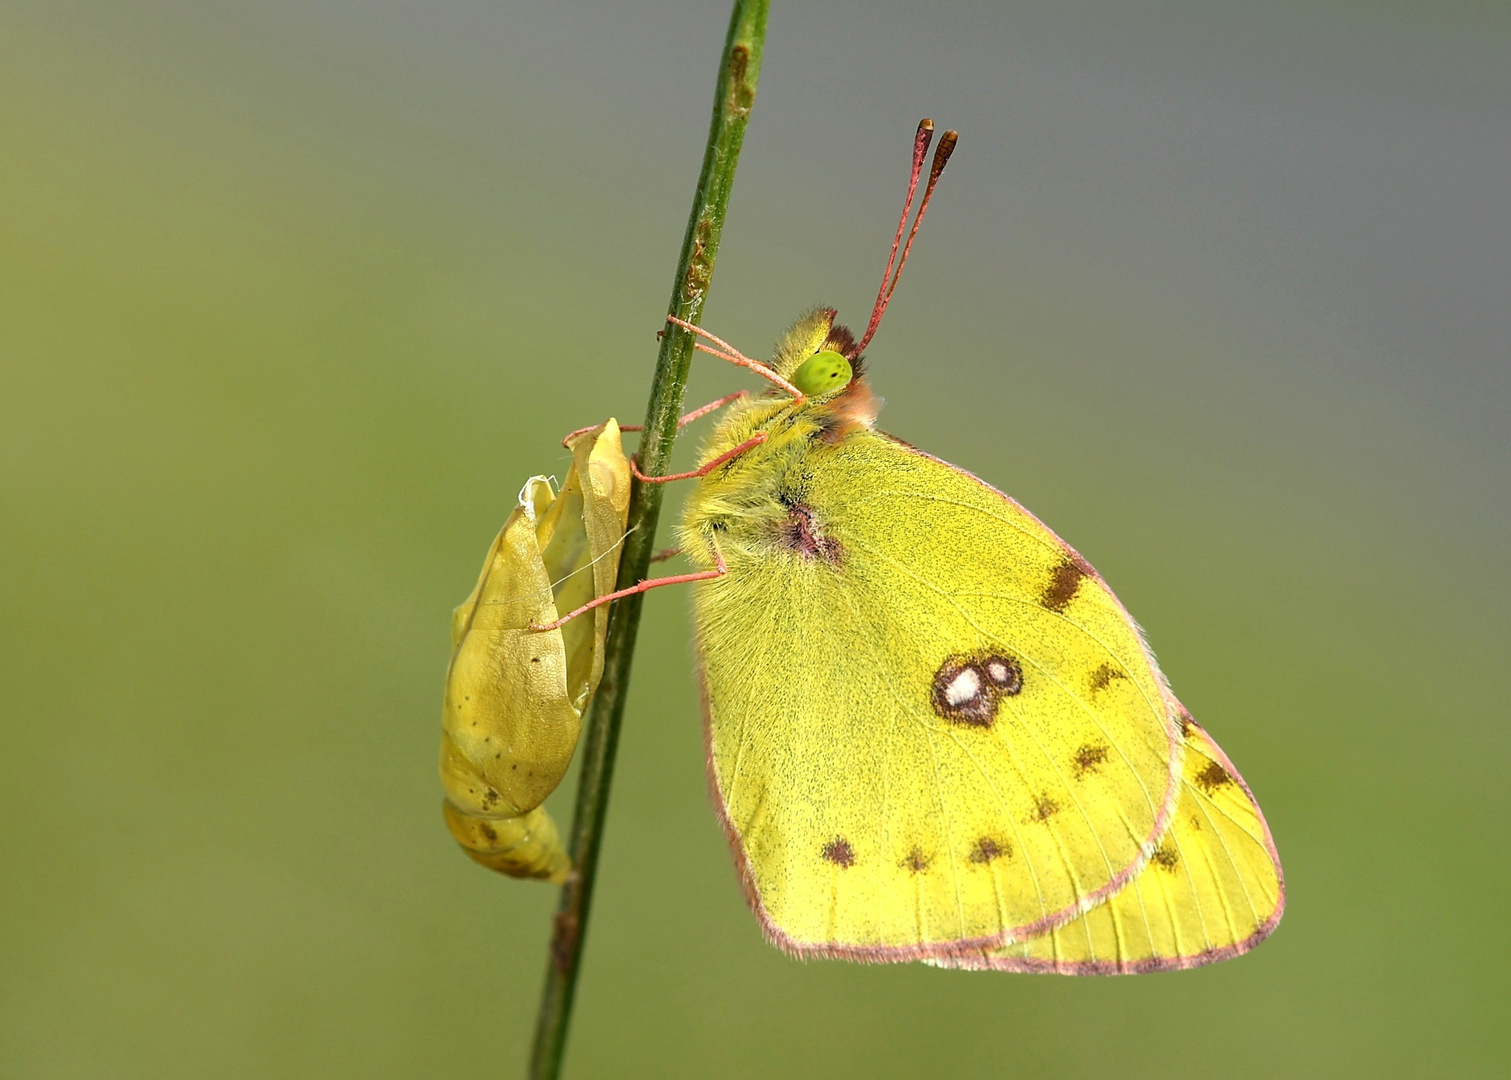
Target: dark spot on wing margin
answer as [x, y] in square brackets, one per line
[1063, 584]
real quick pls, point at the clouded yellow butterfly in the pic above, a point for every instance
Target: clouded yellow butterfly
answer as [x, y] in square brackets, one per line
[933, 731]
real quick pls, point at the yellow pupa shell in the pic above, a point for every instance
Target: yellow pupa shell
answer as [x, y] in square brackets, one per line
[515, 696]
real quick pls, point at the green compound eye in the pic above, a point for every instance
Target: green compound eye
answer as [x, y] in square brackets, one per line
[821, 372]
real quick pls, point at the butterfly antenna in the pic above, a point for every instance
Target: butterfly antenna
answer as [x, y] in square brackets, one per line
[889, 280]
[921, 140]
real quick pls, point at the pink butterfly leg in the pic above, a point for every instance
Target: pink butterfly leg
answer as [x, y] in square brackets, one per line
[726, 351]
[719, 570]
[682, 422]
[755, 440]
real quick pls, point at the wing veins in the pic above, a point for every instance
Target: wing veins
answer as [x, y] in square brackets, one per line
[1095, 719]
[1058, 548]
[1232, 862]
[902, 705]
[934, 758]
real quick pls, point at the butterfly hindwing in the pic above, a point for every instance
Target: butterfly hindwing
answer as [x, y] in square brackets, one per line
[929, 721]
[1212, 890]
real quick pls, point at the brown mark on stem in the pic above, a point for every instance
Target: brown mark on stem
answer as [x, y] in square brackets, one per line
[700, 268]
[564, 927]
[741, 93]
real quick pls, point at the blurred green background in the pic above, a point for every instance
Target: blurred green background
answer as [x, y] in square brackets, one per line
[293, 296]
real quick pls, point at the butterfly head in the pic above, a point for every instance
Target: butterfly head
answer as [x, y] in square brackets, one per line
[824, 371]
[817, 355]
[814, 354]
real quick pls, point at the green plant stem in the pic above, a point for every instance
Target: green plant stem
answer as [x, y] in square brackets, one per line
[738, 73]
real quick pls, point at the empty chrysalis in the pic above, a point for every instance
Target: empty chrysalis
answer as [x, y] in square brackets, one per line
[515, 696]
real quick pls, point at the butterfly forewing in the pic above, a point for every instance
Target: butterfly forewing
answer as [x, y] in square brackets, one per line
[930, 723]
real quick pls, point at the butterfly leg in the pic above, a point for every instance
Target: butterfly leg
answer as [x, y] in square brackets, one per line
[719, 570]
[755, 440]
[682, 422]
[704, 410]
[728, 352]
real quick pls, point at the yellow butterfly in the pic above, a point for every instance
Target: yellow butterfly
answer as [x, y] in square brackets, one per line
[933, 731]
[515, 697]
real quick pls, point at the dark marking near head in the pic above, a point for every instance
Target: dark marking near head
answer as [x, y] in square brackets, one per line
[1088, 758]
[967, 689]
[490, 797]
[1102, 676]
[1212, 777]
[832, 427]
[801, 533]
[1063, 584]
[1166, 857]
[916, 861]
[1186, 723]
[841, 341]
[487, 831]
[839, 852]
[987, 849]
[1045, 808]
[855, 407]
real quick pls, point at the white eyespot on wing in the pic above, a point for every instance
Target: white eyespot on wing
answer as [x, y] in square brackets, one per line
[965, 686]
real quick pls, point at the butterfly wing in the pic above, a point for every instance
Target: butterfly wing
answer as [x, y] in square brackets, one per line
[1213, 889]
[930, 723]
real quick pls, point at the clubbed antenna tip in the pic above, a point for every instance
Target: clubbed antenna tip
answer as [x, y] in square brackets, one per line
[889, 280]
